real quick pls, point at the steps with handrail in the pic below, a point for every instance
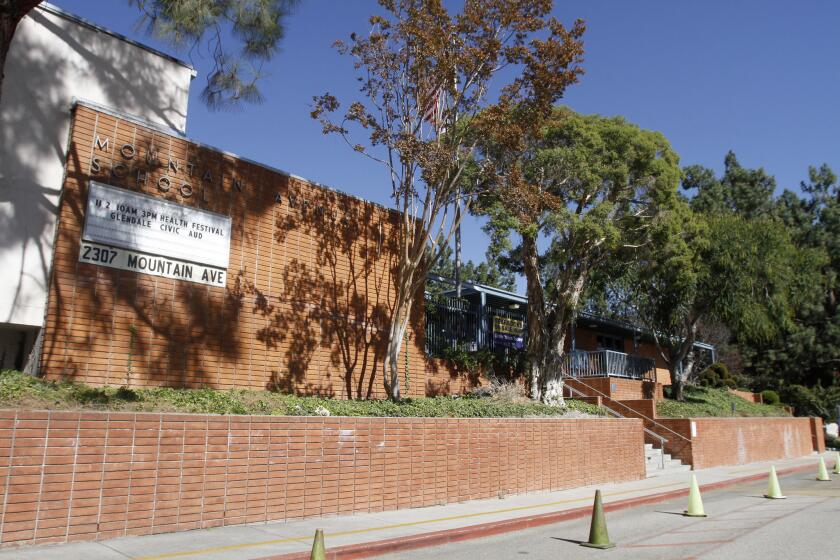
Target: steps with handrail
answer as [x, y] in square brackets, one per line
[657, 461]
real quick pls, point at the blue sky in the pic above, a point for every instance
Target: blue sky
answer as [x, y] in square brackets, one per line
[759, 77]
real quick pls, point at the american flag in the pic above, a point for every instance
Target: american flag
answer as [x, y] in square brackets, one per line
[433, 106]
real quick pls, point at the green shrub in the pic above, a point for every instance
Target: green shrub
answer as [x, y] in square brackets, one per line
[717, 376]
[20, 390]
[126, 394]
[770, 396]
[709, 378]
[707, 401]
[814, 401]
[480, 361]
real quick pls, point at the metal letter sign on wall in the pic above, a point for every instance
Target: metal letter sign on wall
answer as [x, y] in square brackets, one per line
[133, 231]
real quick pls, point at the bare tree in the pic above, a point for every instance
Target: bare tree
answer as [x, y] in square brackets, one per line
[426, 79]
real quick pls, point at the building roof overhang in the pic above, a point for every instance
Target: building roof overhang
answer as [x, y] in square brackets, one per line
[584, 318]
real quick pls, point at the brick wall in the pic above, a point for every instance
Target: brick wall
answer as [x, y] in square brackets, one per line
[308, 292]
[616, 388]
[817, 434]
[748, 396]
[736, 441]
[637, 408]
[68, 476]
[444, 377]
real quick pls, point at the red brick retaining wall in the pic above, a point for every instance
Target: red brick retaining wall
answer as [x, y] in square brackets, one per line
[748, 396]
[68, 476]
[736, 441]
[616, 388]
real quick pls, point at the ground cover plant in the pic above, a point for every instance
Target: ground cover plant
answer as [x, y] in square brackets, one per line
[707, 401]
[19, 390]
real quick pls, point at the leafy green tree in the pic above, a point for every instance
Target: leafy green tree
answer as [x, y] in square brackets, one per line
[804, 348]
[709, 196]
[425, 78]
[747, 274]
[256, 25]
[577, 192]
[808, 353]
[488, 273]
[746, 192]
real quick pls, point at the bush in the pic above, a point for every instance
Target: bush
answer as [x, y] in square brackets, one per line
[815, 401]
[706, 401]
[717, 376]
[501, 391]
[18, 390]
[709, 378]
[770, 397]
[505, 367]
[478, 362]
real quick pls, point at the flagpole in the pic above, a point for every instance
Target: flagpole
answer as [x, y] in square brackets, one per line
[458, 245]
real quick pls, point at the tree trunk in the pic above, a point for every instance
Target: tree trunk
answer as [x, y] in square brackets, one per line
[537, 337]
[396, 334]
[685, 350]
[548, 326]
[676, 382]
[391, 369]
[391, 365]
[689, 364]
[553, 393]
[570, 288]
[11, 12]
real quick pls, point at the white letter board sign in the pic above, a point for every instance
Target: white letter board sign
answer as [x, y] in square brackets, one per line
[146, 224]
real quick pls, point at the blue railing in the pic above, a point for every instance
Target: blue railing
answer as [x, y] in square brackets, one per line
[607, 363]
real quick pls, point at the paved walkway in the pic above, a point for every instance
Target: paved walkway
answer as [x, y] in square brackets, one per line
[383, 532]
[741, 526]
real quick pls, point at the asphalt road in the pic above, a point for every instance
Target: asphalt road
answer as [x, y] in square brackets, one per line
[741, 525]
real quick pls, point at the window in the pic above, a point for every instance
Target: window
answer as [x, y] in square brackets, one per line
[610, 343]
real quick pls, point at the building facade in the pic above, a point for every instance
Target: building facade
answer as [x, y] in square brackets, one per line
[488, 318]
[142, 258]
[180, 265]
[56, 57]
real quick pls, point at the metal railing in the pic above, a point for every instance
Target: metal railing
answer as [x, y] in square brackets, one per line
[453, 323]
[450, 323]
[607, 363]
[662, 440]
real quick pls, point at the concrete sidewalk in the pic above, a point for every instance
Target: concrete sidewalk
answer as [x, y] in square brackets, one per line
[371, 534]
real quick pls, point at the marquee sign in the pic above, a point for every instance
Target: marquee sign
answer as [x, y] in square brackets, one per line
[132, 231]
[508, 332]
[115, 257]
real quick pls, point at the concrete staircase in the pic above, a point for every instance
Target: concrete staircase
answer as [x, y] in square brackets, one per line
[657, 462]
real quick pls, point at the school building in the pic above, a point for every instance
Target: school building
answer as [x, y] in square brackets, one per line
[136, 256]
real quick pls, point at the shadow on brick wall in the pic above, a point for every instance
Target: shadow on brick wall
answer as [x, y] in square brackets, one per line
[306, 312]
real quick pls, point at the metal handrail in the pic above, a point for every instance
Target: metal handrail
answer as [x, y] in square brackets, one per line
[624, 405]
[662, 440]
